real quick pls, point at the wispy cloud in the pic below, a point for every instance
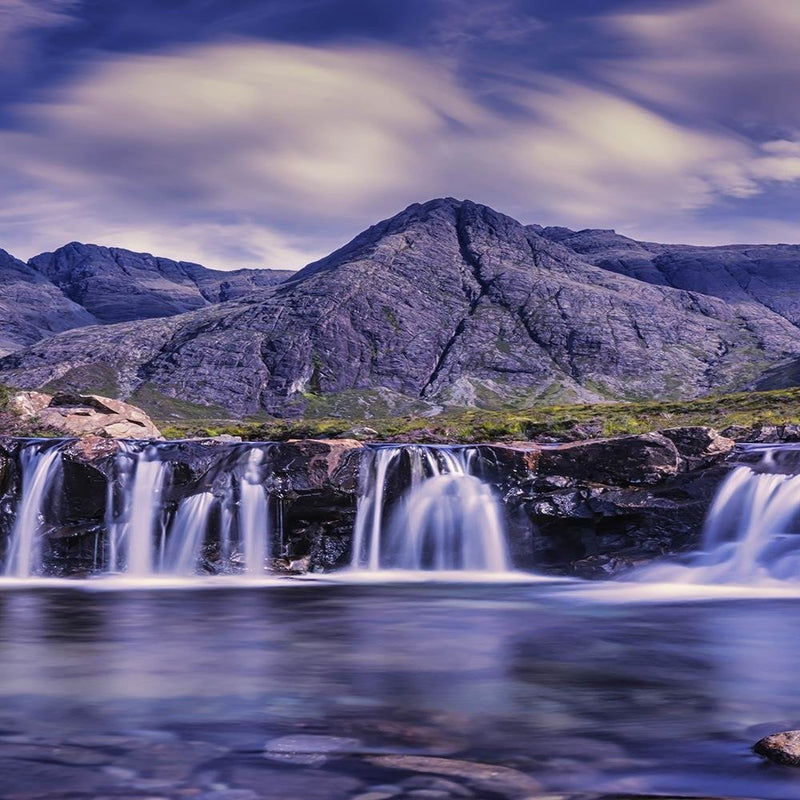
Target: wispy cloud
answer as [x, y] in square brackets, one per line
[731, 61]
[461, 24]
[20, 18]
[250, 152]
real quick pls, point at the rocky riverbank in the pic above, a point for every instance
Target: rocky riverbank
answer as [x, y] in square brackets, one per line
[591, 508]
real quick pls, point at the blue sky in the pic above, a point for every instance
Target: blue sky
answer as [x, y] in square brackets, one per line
[243, 133]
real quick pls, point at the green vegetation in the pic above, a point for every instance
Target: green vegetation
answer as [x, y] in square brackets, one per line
[163, 407]
[395, 417]
[97, 378]
[564, 422]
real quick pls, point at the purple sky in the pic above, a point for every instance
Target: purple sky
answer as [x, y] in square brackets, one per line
[258, 133]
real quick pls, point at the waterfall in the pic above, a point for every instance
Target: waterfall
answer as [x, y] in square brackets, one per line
[134, 528]
[186, 535]
[752, 530]
[145, 537]
[423, 508]
[253, 518]
[40, 465]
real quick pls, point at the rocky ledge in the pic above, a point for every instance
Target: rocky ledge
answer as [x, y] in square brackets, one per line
[590, 509]
[83, 415]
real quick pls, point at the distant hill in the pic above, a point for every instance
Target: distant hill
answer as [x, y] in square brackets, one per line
[446, 303]
[117, 285]
[31, 307]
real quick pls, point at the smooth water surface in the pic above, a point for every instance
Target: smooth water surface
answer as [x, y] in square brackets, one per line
[177, 693]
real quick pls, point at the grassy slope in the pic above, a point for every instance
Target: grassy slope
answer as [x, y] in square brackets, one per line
[178, 420]
[560, 422]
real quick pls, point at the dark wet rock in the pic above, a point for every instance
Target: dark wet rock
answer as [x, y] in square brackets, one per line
[485, 777]
[292, 783]
[782, 748]
[55, 754]
[595, 531]
[24, 778]
[311, 464]
[229, 794]
[626, 460]
[763, 434]
[444, 787]
[446, 303]
[162, 763]
[401, 731]
[699, 446]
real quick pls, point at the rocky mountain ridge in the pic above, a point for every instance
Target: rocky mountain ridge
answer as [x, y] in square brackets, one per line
[80, 285]
[448, 303]
[31, 307]
[117, 285]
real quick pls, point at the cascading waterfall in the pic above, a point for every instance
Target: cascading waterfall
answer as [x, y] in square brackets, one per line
[145, 539]
[442, 517]
[40, 465]
[421, 508]
[751, 533]
[187, 532]
[253, 517]
[134, 528]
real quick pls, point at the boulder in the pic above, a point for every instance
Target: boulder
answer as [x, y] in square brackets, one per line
[782, 748]
[27, 405]
[622, 461]
[483, 777]
[85, 415]
[313, 464]
[762, 434]
[360, 433]
[699, 446]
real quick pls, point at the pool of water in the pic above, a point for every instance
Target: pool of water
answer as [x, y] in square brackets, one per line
[333, 690]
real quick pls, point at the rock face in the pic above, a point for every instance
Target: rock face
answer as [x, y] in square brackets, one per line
[85, 415]
[447, 303]
[116, 285]
[747, 276]
[600, 507]
[31, 307]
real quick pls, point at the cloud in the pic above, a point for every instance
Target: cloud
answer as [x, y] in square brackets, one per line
[248, 153]
[731, 61]
[21, 18]
[461, 24]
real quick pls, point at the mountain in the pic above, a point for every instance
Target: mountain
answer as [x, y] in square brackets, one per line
[116, 285]
[31, 307]
[744, 275]
[448, 302]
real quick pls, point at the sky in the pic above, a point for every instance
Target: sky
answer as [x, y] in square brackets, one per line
[266, 133]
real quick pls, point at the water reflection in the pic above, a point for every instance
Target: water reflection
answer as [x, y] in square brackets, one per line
[589, 697]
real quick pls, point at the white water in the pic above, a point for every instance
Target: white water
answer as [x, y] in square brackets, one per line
[254, 520]
[751, 535]
[446, 518]
[40, 465]
[133, 530]
[186, 535]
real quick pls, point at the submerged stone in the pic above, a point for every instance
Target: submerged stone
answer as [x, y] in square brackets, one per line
[487, 777]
